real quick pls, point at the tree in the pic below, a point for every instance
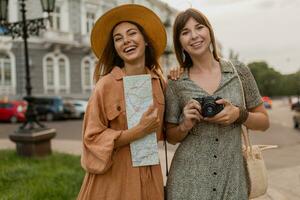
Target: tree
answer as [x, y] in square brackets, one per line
[267, 78]
[273, 83]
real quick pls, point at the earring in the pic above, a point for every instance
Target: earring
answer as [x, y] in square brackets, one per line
[146, 44]
[211, 47]
[183, 56]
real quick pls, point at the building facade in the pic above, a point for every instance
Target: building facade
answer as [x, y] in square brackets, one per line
[60, 58]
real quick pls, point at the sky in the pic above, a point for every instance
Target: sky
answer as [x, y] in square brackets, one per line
[258, 30]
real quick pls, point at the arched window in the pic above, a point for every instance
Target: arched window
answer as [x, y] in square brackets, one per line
[50, 72]
[56, 74]
[87, 71]
[7, 73]
[62, 72]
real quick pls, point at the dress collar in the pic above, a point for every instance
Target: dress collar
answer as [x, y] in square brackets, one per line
[226, 67]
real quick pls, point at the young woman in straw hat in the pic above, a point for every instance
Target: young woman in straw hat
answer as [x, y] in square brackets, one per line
[128, 40]
[208, 164]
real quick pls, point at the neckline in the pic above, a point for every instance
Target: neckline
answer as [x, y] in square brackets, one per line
[201, 88]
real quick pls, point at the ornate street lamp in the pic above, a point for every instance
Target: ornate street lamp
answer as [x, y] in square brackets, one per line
[32, 138]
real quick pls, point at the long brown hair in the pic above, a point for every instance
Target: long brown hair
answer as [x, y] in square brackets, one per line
[182, 56]
[110, 57]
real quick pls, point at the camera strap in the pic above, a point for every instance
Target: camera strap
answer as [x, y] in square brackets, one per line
[243, 94]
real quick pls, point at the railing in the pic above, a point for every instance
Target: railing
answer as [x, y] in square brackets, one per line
[58, 36]
[7, 90]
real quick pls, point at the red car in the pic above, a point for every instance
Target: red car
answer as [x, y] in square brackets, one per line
[267, 102]
[13, 111]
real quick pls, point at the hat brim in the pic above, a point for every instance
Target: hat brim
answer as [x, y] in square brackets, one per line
[141, 15]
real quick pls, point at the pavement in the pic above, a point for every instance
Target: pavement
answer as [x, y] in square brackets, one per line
[284, 183]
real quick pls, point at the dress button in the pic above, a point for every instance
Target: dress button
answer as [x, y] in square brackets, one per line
[215, 173]
[217, 139]
[214, 189]
[119, 108]
[215, 156]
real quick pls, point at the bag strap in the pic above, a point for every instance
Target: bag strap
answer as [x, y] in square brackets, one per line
[164, 134]
[246, 137]
[166, 152]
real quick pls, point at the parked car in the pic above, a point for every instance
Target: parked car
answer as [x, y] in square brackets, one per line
[49, 108]
[69, 109]
[80, 107]
[296, 119]
[296, 106]
[267, 102]
[13, 111]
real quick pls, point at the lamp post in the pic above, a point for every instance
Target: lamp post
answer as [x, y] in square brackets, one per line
[32, 138]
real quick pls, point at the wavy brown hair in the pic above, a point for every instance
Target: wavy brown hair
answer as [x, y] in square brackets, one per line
[179, 24]
[110, 57]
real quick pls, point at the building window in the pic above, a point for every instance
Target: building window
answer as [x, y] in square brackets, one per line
[90, 18]
[62, 72]
[56, 74]
[87, 74]
[55, 19]
[6, 74]
[50, 72]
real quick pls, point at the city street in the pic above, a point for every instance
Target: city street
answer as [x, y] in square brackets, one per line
[280, 162]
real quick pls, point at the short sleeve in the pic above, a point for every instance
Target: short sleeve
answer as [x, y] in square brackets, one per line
[173, 110]
[252, 95]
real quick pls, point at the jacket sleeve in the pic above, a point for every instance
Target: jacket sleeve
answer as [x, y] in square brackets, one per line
[98, 139]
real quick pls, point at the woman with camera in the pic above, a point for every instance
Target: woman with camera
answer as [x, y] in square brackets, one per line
[204, 112]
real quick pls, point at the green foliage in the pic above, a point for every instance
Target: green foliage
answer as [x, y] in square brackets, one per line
[55, 177]
[273, 83]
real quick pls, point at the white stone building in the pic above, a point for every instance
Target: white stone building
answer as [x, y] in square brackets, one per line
[61, 61]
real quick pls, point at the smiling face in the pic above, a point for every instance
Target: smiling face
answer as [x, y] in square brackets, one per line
[129, 42]
[195, 38]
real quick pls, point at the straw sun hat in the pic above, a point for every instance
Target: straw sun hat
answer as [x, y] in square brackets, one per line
[141, 15]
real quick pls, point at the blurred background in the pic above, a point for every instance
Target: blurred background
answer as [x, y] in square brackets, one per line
[264, 34]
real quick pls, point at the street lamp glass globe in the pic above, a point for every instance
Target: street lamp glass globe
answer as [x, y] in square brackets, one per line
[48, 5]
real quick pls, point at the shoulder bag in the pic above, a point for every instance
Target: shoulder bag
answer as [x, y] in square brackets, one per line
[256, 170]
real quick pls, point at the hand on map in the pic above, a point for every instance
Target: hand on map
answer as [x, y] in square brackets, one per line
[149, 121]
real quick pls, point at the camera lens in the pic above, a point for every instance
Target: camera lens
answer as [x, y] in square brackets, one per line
[209, 109]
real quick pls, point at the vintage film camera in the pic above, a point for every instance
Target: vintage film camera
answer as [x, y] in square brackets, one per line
[209, 106]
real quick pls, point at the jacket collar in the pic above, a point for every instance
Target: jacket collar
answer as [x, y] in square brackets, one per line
[118, 73]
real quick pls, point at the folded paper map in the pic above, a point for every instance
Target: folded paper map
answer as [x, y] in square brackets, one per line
[138, 97]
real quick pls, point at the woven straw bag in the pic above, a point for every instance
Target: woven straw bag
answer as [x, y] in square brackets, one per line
[256, 171]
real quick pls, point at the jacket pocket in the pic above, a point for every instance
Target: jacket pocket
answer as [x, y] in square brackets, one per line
[114, 110]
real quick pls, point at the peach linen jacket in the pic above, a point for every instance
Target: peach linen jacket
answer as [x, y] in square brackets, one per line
[109, 171]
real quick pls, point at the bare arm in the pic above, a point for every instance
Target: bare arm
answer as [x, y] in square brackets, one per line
[177, 132]
[128, 136]
[258, 119]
